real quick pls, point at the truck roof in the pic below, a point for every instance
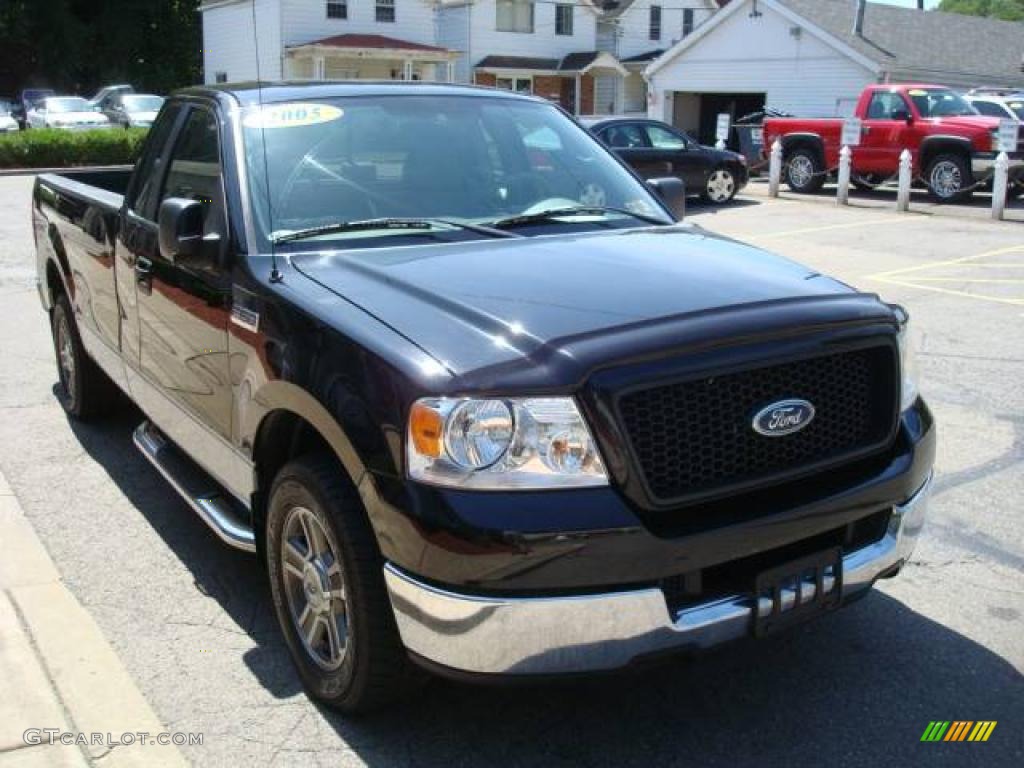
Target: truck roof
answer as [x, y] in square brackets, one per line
[250, 93]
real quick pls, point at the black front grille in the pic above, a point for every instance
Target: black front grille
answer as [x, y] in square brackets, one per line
[695, 438]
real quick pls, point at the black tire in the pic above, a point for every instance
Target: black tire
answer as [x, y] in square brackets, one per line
[720, 187]
[949, 178]
[804, 171]
[374, 668]
[84, 390]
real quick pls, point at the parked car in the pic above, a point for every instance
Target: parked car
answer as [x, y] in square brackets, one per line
[29, 98]
[477, 400]
[953, 147]
[1006, 105]
[7, 122]
[104, 95]
[132, 110]
[653, 148]
[71, 113]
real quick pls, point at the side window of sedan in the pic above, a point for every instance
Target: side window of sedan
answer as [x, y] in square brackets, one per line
[624, 137]
[661, 138]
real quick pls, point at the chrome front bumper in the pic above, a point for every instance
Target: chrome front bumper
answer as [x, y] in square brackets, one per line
[558, 635]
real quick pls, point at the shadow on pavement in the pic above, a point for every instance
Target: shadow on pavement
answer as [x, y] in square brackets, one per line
[854, 688]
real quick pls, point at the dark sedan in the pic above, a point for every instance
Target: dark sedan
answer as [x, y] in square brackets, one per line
[655, 149]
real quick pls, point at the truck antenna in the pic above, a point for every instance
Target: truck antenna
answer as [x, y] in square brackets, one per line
[275, 273]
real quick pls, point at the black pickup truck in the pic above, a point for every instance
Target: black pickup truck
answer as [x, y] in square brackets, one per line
[472, 393]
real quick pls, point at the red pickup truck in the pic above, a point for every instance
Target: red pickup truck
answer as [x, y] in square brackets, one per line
[953, 147]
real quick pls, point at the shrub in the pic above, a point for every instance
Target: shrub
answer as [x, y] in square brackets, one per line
[54, 148]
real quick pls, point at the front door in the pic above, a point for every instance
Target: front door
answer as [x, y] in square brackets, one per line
[629, 141]
[885, 129]
[184, 308]
[684, 156]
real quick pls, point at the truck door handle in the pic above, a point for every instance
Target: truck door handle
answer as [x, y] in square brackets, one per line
[144, 275]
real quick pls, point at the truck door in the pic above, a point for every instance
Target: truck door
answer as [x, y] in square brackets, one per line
[886, 134]
[183, 309]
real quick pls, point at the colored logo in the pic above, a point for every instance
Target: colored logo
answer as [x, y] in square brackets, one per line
[783, 418]
[958, 730]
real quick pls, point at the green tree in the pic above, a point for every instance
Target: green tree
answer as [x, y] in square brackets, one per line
[1008, 10]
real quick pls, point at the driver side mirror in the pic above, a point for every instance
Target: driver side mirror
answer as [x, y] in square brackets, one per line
[672, 192]
[181, 236]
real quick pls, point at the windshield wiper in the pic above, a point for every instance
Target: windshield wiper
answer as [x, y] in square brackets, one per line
[367, 225]
[559, 213]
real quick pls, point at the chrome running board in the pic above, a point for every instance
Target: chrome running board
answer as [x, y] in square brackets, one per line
[214, 506]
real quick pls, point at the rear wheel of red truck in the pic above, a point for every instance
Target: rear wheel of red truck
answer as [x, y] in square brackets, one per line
[805, 172]
[327, 583]
[84, 391]
[949, 178]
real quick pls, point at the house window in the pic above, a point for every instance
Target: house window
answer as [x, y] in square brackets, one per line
[563, 19]
[337, 9]
[687, 21]
[517, 84]
[514, 16]
[221, 77]
[655, 25]
[386, 10]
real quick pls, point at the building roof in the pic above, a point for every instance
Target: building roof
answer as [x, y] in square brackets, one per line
[902, 43]
[926, 45]
[648, 56]
[518, 62]
[371, 41]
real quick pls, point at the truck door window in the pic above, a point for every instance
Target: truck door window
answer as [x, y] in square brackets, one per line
[148, 169]
[194, 172]
[885, 104]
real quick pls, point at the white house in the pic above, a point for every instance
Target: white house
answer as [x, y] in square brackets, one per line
[588, 58]
[811, 57]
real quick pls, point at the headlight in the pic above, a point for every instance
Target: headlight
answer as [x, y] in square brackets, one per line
[500, 444]
[908, 365]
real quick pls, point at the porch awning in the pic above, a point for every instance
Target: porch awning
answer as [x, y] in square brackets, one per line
[580, 63]
[370, 46]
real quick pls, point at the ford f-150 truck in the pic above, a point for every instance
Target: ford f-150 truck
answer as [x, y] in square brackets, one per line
[472, 394]
[953, 147]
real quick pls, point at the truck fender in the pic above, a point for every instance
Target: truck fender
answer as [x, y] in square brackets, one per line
[58, 258]
[933, 145]
[275, 396]
[792, 140]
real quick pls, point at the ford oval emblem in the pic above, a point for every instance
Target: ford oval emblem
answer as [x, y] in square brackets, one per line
[783, 418]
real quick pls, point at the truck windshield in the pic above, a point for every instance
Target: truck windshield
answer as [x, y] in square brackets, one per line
[940, 102]
[469, 159]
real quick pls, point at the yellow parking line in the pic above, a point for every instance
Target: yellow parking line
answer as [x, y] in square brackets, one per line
[826, 228]
[951, 292]
[946, 262]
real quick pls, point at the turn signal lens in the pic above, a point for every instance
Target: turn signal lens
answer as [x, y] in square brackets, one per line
[426, 426]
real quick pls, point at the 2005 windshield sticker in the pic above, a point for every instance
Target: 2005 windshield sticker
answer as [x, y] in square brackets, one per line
[291, 115]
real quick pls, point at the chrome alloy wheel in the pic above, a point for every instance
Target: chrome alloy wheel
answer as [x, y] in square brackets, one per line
[720, 186]
[801, 170]
[314, 587]
[65, 355]
[946, 180]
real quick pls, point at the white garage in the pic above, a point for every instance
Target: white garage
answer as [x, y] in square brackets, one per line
[811, 58]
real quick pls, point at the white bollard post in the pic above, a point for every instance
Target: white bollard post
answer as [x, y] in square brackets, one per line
[775, 168]
[999, 183]
[903, 195]
[720, 145]
[843, 193]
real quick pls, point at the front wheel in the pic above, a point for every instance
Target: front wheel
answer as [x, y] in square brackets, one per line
[327, 583]
[949, 179]
[804, 171]
[720, 187]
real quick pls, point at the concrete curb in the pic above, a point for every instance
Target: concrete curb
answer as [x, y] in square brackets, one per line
[58, 668]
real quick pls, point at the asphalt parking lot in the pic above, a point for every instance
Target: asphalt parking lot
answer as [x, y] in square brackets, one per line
[944, 641]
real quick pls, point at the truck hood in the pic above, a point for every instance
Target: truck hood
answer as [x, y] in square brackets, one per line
[968, 123]
[480, 303]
